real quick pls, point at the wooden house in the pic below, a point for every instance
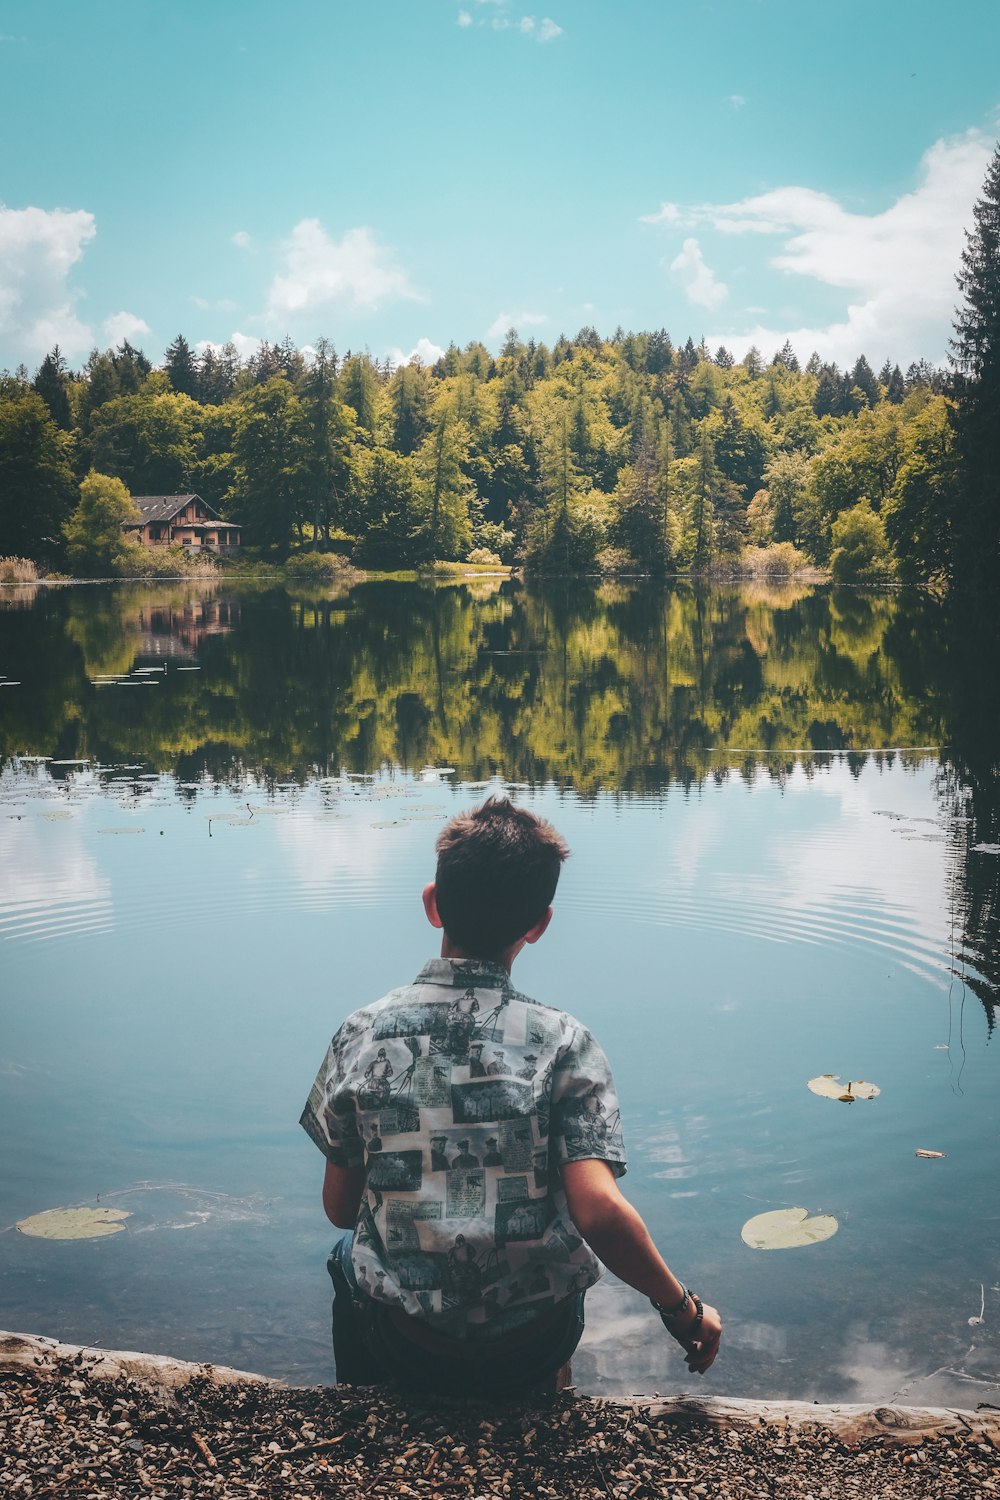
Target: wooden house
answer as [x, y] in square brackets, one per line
[184, 521]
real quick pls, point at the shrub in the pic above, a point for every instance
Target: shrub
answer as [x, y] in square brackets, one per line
[616, 560]
[316, 567]
[779, 560]
[496, 538]
[860, 550]
[567, 542]
[136, 561]
[482, 557]
[17, 570]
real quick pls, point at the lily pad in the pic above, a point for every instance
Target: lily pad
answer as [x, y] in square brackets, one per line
[74, 1223]
[787, 1228]
[829, 1086]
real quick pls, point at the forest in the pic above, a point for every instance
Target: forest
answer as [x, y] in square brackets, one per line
[597, 454]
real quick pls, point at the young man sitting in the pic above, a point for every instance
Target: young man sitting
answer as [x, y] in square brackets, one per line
[492, 1198]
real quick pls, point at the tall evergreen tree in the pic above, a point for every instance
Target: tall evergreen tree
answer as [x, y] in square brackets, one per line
[863, 379]
[131, 367]
[181, 367]
[52, 384]
[359, 388]
[787, 358]
[976, 346]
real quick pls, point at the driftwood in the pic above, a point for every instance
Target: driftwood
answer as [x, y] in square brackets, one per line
[41, 1356]
[850, 1424]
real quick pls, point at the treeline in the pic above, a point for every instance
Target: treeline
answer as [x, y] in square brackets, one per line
[672, 458]
[614, 453]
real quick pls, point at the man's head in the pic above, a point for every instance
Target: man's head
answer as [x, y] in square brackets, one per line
[497, 870]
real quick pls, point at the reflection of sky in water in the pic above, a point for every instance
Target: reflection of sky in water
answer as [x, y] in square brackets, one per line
[168, 996]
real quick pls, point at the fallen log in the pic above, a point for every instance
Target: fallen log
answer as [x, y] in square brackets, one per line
[849, 1424]
[41, 1356]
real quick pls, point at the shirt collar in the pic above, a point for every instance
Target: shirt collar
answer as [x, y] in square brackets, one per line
[465, 973]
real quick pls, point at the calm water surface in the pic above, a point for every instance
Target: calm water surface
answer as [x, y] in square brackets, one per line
[217, 809]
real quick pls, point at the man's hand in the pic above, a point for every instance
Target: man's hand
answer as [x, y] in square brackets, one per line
[701, 1348]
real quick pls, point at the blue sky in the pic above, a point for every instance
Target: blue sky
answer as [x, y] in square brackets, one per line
[397, 174]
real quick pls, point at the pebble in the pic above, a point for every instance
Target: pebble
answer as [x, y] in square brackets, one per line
[67, 1436]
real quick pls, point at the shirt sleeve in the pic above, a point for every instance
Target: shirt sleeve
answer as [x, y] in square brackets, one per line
[585, 1119]
[330, 1116]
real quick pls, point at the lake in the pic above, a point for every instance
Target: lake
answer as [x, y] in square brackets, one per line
[217, 809]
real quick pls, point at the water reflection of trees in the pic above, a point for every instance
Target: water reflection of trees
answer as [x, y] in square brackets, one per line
[618, 686]
[970, 796]
[614, 686]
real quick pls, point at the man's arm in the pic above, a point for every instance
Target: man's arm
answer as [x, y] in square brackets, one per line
[616, 1233]
[342, 1190]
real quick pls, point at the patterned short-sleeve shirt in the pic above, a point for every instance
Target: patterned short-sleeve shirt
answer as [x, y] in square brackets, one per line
[463, 1097]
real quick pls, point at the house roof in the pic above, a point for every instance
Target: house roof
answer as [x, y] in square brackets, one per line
[165, 507]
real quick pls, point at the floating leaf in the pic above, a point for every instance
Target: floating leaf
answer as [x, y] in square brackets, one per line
[936, 1155]
[787, 1228]
[74, 1223]
[829, 1086]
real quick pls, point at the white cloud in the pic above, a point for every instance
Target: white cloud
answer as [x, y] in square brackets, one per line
[737, 101]
[242, 240]
[124, 325]
[498, 328]
[697, 278]
[545, 30]
[897, 265]
[318, 271]
[38, 250]
[424, 350]
[244, 343]
[667, 213]
[222, 304]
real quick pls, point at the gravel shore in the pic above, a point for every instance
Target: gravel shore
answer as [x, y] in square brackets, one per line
[68, 1432]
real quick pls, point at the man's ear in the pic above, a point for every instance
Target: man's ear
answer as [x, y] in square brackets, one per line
[431, 905]
[539, 928]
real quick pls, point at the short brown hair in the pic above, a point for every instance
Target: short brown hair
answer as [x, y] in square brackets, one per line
[497, 870]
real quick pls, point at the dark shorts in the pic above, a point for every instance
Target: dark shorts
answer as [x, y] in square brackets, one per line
[373, 1343]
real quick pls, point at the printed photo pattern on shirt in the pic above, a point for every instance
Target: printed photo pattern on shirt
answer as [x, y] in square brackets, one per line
[462, 1097]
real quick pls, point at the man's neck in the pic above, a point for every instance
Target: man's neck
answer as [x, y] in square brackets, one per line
[505, 959]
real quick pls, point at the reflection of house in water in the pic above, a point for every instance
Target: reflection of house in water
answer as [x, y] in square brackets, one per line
[178, 630]
[184, 521]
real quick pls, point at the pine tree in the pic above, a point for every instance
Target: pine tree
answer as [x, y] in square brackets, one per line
[976, 346]
[182, 370]
[52, 384]
[863, 379]
[895, 388]
[787, 358]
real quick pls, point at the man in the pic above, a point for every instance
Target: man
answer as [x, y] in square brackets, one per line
[487, 1294]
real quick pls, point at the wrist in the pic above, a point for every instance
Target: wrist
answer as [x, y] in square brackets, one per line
[673, 1307]
[682, 1319]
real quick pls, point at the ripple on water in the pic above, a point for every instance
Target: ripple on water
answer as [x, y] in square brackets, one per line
[317, 847]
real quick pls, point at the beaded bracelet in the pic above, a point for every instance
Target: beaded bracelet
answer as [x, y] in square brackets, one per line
[669, 1313]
